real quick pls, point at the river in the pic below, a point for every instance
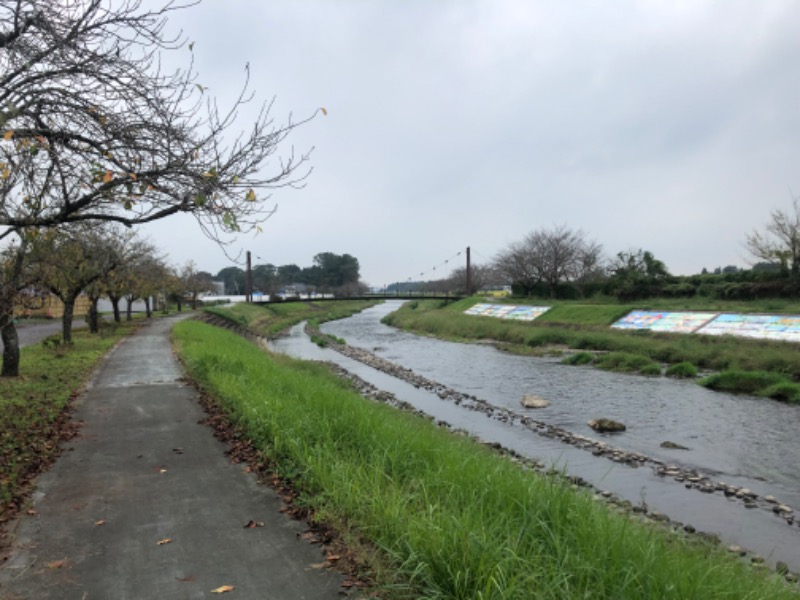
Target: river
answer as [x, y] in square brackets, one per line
[739, 440]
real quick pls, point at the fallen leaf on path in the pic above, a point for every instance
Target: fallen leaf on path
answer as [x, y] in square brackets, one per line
[165, 541]
[185, 579]
[32, 512]
[57, 564]
[178, 450]
[100, 522]
[223, 589]
[320, 565]
[334, 557]
[253, 524]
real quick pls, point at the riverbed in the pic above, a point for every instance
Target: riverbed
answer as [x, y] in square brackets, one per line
[741, 441]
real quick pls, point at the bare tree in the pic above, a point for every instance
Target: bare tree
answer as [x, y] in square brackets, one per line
[92, 129]
[516, 263]
[482, 276]
[780, 241]
[549, 257]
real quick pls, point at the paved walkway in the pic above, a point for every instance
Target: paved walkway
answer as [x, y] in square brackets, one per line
[145, 505]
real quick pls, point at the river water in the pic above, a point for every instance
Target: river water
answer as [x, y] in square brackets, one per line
[740, 440]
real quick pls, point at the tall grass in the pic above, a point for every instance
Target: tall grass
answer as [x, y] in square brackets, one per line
[450, 518]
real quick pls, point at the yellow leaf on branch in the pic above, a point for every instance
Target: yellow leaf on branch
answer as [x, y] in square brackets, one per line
[8, 135]
[108, 177]
[251, 195]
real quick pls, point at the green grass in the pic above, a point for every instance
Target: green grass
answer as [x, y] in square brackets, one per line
[33, 406]
[625, 362]
[446, 517]
[584, 314]
[758, 383]
[579, 358]
[271, 319]
[590, 332]
[682, 370]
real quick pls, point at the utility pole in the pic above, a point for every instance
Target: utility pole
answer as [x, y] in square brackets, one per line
[469, 274]
[249, 283]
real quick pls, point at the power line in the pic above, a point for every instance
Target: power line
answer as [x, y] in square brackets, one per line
[432, 270]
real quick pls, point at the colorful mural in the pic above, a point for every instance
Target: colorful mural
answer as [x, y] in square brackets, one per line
[672, 322]
[507, 311]
[772, 327]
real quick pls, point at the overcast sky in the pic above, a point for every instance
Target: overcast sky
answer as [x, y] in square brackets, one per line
[671, 126]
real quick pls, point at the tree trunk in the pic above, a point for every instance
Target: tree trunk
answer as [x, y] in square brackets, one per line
[8, 331]
[115, 306]
[66, 320]
[179, 302]
[147, 307]
[92, 316]
[129, 301]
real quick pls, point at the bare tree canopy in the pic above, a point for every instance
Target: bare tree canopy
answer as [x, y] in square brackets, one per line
[549, 257]
[91, 128]
[780, 241]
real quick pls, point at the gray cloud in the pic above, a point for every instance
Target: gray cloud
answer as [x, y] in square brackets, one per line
[671, 126]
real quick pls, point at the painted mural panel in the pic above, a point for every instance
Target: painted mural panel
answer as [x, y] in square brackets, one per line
[773, 327]
[507, 311]
[672, 322]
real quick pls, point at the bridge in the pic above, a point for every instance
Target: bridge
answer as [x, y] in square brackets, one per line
[447, 297]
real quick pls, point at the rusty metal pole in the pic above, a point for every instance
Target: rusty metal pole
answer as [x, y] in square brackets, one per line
[249, 283]
[469, 274]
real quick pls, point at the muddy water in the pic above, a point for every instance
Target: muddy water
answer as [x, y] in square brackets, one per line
[738, 440]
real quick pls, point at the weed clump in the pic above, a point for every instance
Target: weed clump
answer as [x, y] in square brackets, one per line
[785, 392]
[625, 362]
[745, 382]
[682, 370]
[579, 358]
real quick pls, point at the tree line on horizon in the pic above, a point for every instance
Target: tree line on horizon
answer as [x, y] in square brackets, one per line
[561, 262]
[329, 273]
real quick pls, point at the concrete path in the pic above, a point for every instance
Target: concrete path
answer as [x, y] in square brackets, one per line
[145, 505]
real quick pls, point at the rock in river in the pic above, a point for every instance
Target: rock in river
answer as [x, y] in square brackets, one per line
[532, 401]
[605, 425]
[673, 446]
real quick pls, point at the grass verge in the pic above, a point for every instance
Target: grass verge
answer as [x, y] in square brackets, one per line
[271, 319]
[449, 517]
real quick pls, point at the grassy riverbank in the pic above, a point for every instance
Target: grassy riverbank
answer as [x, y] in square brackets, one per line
[269, 320]
[34, 407]
[439, 515]
[570, 327]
